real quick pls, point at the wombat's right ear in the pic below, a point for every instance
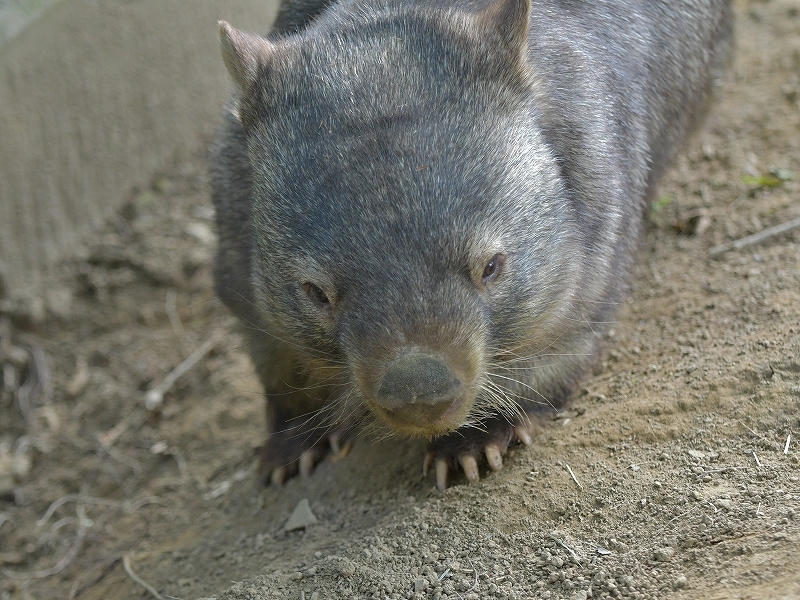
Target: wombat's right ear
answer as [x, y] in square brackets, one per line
[244, 54]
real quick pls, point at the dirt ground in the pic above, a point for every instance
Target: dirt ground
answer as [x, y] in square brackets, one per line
[670, 476]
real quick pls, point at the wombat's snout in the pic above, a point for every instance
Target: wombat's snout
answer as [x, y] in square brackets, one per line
[419, 388]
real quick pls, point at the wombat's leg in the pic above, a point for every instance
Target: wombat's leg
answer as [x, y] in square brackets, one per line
[301, 434]
[470, 445]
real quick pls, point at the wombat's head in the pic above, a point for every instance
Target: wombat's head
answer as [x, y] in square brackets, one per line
[409, 219]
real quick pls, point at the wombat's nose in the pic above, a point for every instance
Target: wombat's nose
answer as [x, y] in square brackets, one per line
[418, 387]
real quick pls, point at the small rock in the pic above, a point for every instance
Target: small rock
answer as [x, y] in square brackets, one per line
[724, 503]
[14, 466]
[420, 585]
[80, 379]
[201, 232]
[695, 224]
[58, 301]
[618, 546]
[347, 568]
[579, 595]
[301, 516]
[219, 490]
[12, 558]
[680, 583]
[664, 554]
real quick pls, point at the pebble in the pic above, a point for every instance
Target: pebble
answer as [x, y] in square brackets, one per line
[664, 554]
[347, 568]
[618, 546]
[724, 503]
[301, 516]
[680, 583]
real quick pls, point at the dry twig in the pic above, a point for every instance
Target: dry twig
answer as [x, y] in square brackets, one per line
[565, 547]
[573, 476]
[756, 237]
[154, 398]
[126, 563]
[83, 525]
[170, 307]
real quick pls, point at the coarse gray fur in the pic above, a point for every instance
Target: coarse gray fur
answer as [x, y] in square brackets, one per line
[380, 152]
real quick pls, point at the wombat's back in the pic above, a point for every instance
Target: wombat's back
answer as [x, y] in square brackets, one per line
[625, 83]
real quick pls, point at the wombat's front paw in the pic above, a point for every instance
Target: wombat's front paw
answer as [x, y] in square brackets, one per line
[470, 445]
[286, 453]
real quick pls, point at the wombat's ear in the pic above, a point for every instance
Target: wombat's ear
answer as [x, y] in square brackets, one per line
[510, 19]
[244, 54]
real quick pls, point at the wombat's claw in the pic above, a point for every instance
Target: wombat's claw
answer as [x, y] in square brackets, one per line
[523, 434]
[307, 461]
[468, 462]
[494, 457]
[286, 455]
[467, 450]
[278, 476]
[470, 466]
[441, 468]
[441, 474]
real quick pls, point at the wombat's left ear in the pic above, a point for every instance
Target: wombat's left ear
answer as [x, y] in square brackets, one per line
[244, 54]
[510, 20]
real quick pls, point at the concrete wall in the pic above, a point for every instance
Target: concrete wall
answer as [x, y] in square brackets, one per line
[16, 14]
[94, 96]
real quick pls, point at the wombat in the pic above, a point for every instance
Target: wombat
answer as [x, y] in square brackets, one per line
[428, 209]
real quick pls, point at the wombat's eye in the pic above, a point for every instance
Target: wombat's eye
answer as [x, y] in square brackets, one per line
[317, 296]
[492, 268]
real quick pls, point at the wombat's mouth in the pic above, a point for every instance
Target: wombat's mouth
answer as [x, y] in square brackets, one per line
[423, 420]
